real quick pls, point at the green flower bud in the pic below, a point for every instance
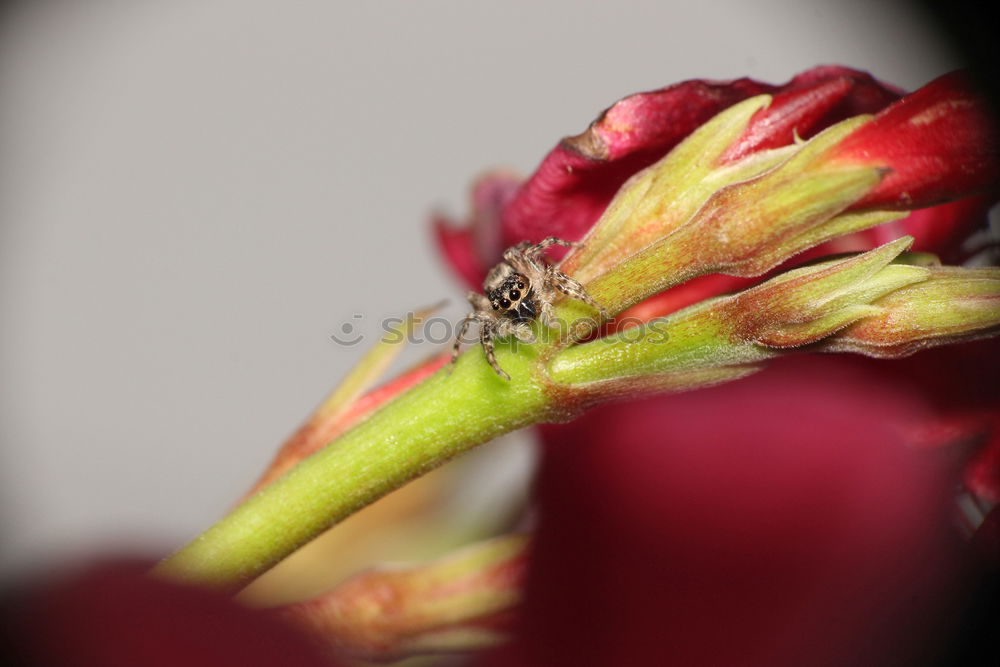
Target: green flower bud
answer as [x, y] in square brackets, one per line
[954, 304]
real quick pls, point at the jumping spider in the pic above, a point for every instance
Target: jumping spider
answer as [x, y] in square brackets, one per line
[518, 290]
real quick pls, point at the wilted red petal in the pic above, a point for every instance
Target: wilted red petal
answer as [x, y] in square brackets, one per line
[868, 94]
[577, 179]
[791, 113]
[940, 143]
[811, 102]
[114, 616]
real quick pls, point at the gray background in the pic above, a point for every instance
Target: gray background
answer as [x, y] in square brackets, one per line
[195, 195]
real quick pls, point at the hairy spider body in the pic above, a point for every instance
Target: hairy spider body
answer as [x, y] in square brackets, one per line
[519, 290]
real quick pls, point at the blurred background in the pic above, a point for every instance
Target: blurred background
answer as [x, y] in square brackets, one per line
[195, 195]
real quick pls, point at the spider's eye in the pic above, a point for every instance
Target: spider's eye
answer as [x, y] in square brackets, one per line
[520, 285]
[505, 303]
[515, 295]
[496, 306]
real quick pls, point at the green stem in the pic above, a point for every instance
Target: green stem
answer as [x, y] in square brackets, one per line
[695, 338]
[448, 414]
[437, 420]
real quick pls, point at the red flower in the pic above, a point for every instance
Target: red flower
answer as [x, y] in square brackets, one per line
[802, 516]
[114, 615]
[577, 179]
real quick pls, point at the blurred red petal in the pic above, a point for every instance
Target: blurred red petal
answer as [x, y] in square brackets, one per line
[982, 475]
[986, 540]
[682, 296]
[114, 616]
[471, 249]
[772, 521]
[455, 243]
[941, 230]
[954, 381]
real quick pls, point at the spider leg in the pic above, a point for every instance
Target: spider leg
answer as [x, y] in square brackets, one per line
[544, 244]
[524, 333]
[520, 330]
[462, 328]
[526, 251]
[572, 288]
[479, 303]
[547, 314]
[486, 339]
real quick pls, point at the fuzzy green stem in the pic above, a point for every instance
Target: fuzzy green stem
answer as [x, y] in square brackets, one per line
[448, 414]
[457, 409]
[437, 420]
[696, 338]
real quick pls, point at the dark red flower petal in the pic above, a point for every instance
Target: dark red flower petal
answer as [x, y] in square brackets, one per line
[940, 230]
[684, 295]
[113, 615]
[958, 384]
[982, 475]
[473, 248]
[940, 142]
[780, 520]
[577, 179]
[986, 541]
[809, 103]
[868, 94]
[455, 243]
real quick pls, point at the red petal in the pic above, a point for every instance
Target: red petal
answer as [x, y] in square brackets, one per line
[455, 243]
[868, 94]
[767, 522]
[940, 229]
[473, 248]
[982, 476]
[986, 540]
[577, 179]
[575, 182]
[940, 143]
[113, 615]
[682, 296]
[809, 103]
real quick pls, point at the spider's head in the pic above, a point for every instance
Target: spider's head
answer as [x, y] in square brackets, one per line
[512, 298]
